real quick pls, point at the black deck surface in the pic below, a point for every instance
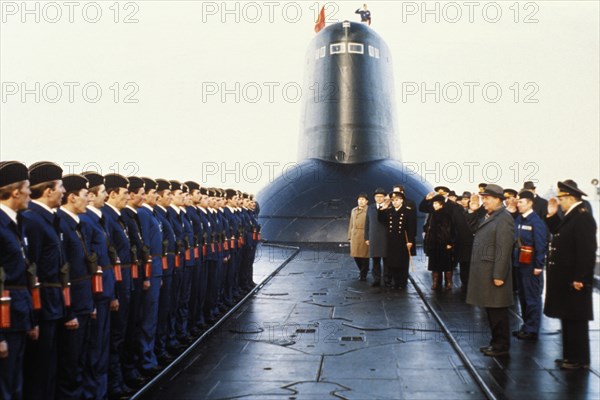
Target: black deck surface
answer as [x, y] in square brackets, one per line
[316, 332]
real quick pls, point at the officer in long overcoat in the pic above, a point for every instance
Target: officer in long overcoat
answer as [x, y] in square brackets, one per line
[570, 273]
[401, 227]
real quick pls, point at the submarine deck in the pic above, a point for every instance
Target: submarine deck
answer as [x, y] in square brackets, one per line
[314, 331]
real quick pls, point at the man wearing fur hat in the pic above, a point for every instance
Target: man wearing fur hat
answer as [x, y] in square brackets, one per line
[490, 274]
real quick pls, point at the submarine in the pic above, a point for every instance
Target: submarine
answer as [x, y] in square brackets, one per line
[347, 144]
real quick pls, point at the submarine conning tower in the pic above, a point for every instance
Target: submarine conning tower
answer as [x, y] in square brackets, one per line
[347, 140]
[349, 111]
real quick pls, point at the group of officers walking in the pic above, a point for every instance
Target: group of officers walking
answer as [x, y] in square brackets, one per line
[501, 239]
[105, 279]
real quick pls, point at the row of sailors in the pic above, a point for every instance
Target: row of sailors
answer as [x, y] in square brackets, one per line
[105, 278]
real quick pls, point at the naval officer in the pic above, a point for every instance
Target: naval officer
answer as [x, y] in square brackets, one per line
[401, 228]
[570, 273]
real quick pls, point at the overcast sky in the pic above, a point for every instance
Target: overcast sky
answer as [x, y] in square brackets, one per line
[162, 66]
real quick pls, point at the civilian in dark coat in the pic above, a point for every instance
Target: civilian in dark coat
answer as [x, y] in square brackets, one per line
[463, 244]
[439, 242]
[570, 273]
[375, 236]
[426, 206]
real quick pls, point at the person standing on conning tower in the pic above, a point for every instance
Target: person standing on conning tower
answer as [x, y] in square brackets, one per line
[365, 15]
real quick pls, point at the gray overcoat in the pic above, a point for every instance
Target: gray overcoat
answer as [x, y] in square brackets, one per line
[375, 233]
[491, 259]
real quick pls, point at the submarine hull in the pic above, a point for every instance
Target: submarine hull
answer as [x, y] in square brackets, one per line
[311, 203]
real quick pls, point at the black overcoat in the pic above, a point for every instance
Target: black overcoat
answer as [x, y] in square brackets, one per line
[399, 224]
[571, 257]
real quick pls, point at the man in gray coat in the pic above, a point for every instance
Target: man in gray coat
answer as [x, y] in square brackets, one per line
[490, 275]
[376, 238]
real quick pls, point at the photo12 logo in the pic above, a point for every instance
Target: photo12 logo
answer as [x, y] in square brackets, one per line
[53, 12]
[471, 92]
[253, 12]
[128, 168]
[470, 171]
[453, 12]
[251, 92]
[68, 92]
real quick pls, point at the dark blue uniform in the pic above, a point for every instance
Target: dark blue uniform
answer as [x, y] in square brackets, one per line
[96, 370]
[164, 305]
[72, 342]
[248, 250]
[212, 258]
[253, 238]
[129, 357]
[233, 265]
[223, 253]
[152, 236]
[119, 237]
[182, 327]
[176, 221]
[530, 231]
[204, 276]
[196, 317]
[365, 15]
[13, 264]
[45, 249]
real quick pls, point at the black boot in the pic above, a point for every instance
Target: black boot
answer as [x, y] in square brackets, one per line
[435, 280]
[448, 277]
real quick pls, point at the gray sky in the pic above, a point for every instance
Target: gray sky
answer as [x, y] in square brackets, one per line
[171, 119]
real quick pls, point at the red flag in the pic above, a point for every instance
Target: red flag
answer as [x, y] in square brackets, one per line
[320, 24]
